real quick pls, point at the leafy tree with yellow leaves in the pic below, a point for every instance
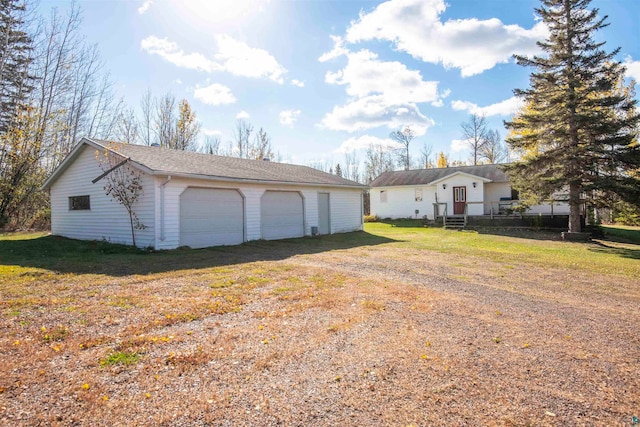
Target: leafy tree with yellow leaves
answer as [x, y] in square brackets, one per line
[442, 161]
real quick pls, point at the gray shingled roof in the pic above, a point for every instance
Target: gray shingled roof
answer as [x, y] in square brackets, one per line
[426, 176]
[175, 162]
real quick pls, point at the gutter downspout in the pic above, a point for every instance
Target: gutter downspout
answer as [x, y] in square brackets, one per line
[162, 186]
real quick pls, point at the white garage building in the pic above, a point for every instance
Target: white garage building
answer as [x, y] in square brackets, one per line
[199, 200]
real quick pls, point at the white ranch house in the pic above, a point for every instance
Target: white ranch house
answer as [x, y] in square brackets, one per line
[200, 200]
[450, 192]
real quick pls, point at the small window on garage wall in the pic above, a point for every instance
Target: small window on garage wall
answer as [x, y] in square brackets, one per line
[79, 203]
[418, 194]
[383, 196]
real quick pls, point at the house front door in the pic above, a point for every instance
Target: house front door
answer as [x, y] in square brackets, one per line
[459, 200]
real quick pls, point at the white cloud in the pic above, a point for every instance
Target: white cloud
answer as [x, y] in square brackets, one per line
[170, 52]
[383, 93]
[508, 107]
[242, 115]
[440, 101]
[472, 45]
[366, 75]
[633, 68]
[239, 59]
[215, 94]
[233, 56]
[337, 51]
[210, 132]
[458, 145]
[145, 6]
[289, 117]
[373, 111]
[365, 141]
[297, 83]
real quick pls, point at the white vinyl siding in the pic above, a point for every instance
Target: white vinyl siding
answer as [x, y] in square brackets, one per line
[211, 217]
[402, 203]
[282, 214]
[324, 214]
[159, 207]
[106, 219]
[493, 192]
[346, 211]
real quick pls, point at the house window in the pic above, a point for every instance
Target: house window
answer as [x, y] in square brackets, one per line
[383, 196]
[418, 194]
[79, 203]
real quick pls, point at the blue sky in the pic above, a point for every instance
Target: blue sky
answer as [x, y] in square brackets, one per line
[328, 77]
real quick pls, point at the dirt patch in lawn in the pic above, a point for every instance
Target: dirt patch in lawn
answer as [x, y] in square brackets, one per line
[379, 335]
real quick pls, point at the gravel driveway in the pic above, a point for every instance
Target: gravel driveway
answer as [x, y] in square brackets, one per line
[376, 335]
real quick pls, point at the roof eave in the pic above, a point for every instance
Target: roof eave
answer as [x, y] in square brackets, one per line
[67, 162]
[254, 181]
[76, 152]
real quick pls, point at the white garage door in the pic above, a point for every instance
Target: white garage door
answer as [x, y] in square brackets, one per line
[211, 217]
[282, 215]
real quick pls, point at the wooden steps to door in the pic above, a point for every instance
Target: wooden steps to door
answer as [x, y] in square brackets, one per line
[455, 222]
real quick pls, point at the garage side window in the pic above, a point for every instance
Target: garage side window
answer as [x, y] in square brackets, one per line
[418, 194]
[79, 203]
[383, 196]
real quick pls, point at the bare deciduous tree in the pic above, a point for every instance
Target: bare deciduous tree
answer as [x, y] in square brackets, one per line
[127, 127]
[123, 184]
[475, 133]
[241, 138]
[493, 151]
[426, 153]
[378, 159]
[146, 120]
[404, 137]
[165, 121]
[212, 145]
[261, 147]
[351, 166]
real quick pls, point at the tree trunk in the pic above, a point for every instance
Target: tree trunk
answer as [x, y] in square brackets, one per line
[574, 208]
[133, 231]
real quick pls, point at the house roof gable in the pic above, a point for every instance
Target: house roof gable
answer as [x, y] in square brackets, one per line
[164, 161]
[486, 173]
[446, 177]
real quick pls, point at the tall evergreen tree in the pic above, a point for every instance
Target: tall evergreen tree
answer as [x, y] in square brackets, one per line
[576, 130]
[16, 81]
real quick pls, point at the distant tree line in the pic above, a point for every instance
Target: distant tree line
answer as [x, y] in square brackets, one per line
[55, 89]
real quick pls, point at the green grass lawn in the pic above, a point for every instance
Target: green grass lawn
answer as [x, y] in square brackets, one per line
[41, 251]
[528, 247]
[622, 232]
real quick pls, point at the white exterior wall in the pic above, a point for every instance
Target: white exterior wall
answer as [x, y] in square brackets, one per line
[445, 195]
[310, 200]
[493, 191]
[559, 208]
[401, 199]
[107, 219]
[345, 213]
[345, 210]
[401, 202]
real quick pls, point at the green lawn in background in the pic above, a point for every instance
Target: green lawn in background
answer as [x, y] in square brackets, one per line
[618, 254]
[539, 248]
